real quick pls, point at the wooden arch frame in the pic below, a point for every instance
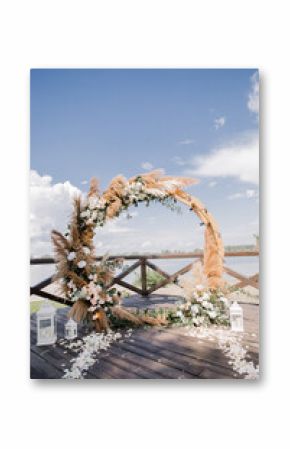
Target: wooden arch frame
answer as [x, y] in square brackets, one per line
[170, 187]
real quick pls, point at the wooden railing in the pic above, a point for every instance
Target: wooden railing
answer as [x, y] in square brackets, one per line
[144, 262]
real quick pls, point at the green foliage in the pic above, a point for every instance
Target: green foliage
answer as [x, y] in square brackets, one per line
[35, 305]
[153, 278]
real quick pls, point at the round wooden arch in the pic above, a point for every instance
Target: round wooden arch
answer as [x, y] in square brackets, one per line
[155, 185]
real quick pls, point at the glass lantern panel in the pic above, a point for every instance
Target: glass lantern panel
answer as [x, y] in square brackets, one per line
[45, 332]
[45, 323]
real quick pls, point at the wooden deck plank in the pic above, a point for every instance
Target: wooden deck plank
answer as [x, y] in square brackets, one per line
[41, 369]
[151, 353]
[149, 363]
[133, 363]
[169, 368]
[188, 364]
[190, 347]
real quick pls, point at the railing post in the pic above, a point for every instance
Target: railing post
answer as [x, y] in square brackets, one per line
[144, 277]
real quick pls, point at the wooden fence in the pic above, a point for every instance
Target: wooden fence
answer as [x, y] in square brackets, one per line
[144, 262]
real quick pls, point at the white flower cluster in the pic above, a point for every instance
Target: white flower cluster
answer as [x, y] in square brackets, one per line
[83, 251]
[93, 344]
[203, 307]
[137, 191]
[91, 292]
[94, 211]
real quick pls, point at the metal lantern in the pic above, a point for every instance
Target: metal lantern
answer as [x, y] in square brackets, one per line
[236, 317]
[46, 324]
[70, 329]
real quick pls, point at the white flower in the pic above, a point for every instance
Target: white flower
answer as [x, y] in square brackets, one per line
[194, 309]
[180, 315]
[199, 287]
[86, 250]
[207, 305]
[101, 203]
[98, 288]
[156, 192]
[206, 296]
[71, 255]
[83, 292]
[225, 300]
[92, 308]
[82, 263]
[71, 284]
[93, 202]
[138, 186]
[85, 213]
[94, 215]
[212, 314]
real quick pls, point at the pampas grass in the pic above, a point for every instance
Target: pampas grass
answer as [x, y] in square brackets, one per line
[81, 233]
[123, 314]
[100, 321]
[79, 311]
[94, 188]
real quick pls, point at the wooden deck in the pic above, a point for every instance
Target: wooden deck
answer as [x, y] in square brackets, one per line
[152, 353]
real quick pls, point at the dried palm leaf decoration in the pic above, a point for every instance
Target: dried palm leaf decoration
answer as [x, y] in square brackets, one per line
[75, 253]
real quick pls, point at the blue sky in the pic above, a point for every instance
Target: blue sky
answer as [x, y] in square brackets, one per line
[202, 123]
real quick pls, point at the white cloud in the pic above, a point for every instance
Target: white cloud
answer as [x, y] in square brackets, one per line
[219, 122]
[50, 208]
[212, 184]
[147, 165]
[84, 182]
[253, 97]
[146, 244]
[238, 159]
[186, 142]
[116, 225]
[249, 193]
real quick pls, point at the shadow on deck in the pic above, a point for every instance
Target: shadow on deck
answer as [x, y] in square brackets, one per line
[151, 353]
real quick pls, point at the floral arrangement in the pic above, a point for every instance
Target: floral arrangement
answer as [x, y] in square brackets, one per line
[83, 281]
[203, 307]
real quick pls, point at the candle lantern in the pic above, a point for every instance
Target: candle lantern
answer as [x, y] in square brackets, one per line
[70, 329]
[46, 324]
[236, 317]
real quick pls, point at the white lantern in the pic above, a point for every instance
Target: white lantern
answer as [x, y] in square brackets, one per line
[70, 329]
[236, 317]
[46, 324]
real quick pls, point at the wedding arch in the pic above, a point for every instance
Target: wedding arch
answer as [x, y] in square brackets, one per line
[75, 252]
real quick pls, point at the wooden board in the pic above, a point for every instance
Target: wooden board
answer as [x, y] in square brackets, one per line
[151, 353]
